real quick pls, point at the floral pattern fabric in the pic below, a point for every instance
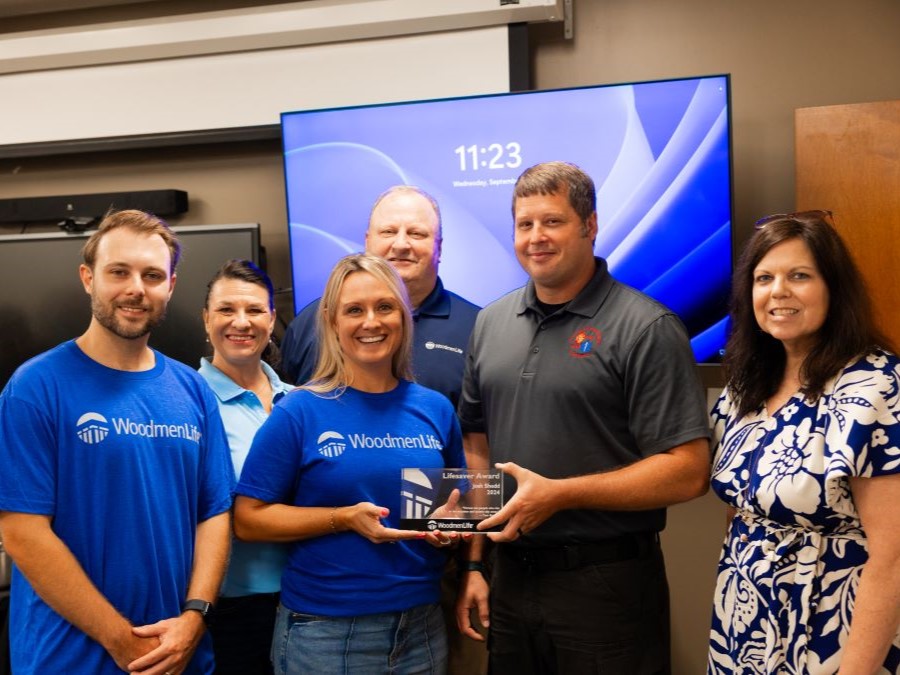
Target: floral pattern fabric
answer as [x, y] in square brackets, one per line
[795, 550]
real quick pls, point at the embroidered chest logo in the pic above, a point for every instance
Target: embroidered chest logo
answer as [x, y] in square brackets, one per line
[583, 342]
[430, 345]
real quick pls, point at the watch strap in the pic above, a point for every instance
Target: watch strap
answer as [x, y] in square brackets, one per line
[472, 566]
[197, 605]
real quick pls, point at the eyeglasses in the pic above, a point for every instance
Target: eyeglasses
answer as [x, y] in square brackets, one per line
[825, 216]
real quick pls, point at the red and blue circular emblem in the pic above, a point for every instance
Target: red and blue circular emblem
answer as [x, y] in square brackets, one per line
[583, 342]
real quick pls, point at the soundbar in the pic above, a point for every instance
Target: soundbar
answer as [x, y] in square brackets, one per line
[49, 209]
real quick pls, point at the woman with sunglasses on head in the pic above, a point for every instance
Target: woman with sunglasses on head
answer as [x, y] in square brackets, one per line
[808, 462]
[239, 316]
[324, 474]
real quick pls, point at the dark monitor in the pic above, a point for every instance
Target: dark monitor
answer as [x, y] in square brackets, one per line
[44, 303]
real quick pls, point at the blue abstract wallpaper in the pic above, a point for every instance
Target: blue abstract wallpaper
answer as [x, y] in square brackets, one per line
[658, 153]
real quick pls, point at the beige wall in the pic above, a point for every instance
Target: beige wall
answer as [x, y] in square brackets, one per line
[782, 55]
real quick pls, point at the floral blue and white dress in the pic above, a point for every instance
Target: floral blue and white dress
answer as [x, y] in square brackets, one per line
[794, 552]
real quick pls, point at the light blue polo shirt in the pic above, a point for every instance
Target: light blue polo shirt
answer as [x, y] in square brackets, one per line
[255, 567]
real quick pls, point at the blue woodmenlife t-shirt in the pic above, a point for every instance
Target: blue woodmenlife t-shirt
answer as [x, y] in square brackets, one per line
[338, 450]
[126, 464]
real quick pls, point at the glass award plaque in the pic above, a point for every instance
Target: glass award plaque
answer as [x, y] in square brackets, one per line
[449, 499]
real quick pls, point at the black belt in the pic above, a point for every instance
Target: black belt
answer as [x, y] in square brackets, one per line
[572, 557]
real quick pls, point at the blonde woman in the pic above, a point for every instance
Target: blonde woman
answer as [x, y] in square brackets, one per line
[324, 474]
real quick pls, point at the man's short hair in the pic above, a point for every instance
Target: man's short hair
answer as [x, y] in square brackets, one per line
[438, 233]
[136, 221]
[551, 178]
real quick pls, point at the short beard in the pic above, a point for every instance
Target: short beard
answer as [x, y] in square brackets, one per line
[108, 320]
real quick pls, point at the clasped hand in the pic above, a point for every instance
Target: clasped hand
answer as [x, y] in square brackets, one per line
[177, 638]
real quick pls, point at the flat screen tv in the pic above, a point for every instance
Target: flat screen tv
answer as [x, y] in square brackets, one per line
[44, 302]
[659, 154]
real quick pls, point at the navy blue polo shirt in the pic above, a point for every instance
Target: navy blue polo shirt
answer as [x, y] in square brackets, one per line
[605, 381]
[443, 323]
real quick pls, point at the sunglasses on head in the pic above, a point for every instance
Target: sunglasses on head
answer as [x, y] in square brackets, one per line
[803, 216]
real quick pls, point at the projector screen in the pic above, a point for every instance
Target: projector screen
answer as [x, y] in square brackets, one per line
[246, 88]
[659, 153]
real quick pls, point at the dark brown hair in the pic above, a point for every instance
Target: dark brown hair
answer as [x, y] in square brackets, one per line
[755, 361]
[246, 270]
[552, 178]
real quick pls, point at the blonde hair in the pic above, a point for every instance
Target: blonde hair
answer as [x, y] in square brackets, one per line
[331, 373]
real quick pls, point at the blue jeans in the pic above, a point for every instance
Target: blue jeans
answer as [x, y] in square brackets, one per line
[395, 643]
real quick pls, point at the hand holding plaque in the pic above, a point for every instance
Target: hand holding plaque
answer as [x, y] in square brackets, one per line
[449, 499]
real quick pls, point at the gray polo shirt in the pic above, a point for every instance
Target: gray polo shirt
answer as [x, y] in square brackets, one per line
[604, 382]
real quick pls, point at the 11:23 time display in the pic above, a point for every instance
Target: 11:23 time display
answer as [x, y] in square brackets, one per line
[493, 156]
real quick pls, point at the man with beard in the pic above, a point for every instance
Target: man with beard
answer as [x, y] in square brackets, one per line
[116, 485]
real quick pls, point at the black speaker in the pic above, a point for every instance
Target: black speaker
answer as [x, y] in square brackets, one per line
[48, 209]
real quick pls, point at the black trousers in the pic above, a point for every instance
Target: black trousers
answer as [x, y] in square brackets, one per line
[241, 630]
[550, 618]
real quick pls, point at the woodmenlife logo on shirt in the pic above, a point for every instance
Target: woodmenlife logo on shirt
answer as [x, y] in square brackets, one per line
[92, 428]
[332, 443]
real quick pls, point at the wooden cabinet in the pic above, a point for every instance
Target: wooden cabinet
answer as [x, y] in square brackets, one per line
[848, 162]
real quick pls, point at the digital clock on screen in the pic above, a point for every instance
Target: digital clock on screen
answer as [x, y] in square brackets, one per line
[493, 156]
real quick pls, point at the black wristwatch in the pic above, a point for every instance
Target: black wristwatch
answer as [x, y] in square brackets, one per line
[471, 566]
[195, 605]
